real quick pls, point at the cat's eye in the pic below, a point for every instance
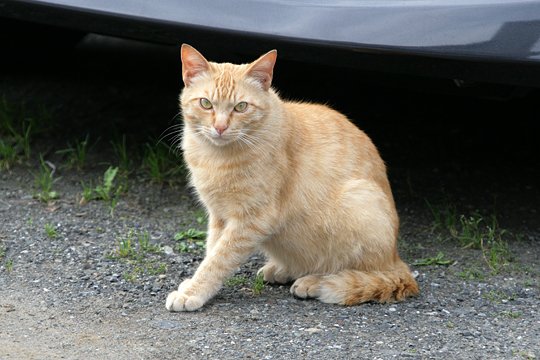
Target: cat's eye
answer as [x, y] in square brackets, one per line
[205, 103]
[241, 106]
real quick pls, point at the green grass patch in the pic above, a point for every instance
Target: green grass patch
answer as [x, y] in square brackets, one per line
[9, 265]
[50, 231]
[161, 163]
[438, 259]
[17, 129]
[135, 246]
[474, 231]
[191, 240]
[107, 190]
[76, 153]
[257, 286]
[44, 181]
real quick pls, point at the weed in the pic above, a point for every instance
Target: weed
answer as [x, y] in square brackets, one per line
[512, 314]
[2, 251]
[148, 268]
[238, 280]
[135, 246]
[77, 153]
[156, 269]
[471, 274]
[160, 163]
[444, 217]
[126, 248]
[145, 245]
[191, 240]
[488, 238]
[50, 231]
[201, 216]
[44, 181]
[106, 191]
[124, 160]
[130, 276]
[8, 155]
[258, 284]
[17, 128]
[435, 260]
[9, 265]
[497, 297]
[475, 232]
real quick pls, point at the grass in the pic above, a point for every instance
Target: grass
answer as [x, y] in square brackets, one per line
[149, 268]
[445, 217]
[191, 240]
[257, 283]
[472, 273]
[512, 314]
[17, 129]
[474, 231]
[135, 246]
[44, 181]
[161, 164]
[77, 153]
[496, 296]
[50, 231]
[237, 280]
[107, 190]
[124, 159]
[9, 265]
[435, 260]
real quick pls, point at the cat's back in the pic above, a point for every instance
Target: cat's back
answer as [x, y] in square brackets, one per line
[319, 125]
[323, 138]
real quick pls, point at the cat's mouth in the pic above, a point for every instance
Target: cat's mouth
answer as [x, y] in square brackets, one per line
[220, 139]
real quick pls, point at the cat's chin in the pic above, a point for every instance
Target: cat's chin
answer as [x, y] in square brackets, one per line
[221, 140]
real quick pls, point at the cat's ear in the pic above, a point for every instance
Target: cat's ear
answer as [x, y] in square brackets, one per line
[262, 69]
[193, 63]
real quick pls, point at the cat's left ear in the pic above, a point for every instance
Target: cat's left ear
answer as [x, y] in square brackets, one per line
[193, 63]
[262, 69]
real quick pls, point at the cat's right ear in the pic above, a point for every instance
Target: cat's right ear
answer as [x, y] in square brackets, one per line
[193, 63]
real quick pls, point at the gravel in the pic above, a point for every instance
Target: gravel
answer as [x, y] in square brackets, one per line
[71, 297]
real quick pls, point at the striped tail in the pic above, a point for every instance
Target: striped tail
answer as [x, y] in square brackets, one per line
[351, 287]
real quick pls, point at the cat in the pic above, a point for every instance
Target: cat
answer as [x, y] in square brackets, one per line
[297, 181]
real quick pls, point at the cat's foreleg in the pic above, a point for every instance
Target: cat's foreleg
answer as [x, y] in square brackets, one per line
[215, 230]
[232, 249]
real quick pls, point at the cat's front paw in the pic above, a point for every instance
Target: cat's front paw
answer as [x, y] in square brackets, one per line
[182, 300]
[179, 301]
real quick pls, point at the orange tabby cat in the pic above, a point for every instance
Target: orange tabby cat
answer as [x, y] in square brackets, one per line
[297, 181]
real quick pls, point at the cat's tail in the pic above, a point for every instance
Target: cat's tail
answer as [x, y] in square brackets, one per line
[351, 287]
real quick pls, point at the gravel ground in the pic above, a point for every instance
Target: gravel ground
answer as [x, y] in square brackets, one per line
[70, 295]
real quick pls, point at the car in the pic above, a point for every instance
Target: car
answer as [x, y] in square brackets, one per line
[468, 41]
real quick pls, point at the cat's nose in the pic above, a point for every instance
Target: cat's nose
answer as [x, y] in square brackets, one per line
[220, 129]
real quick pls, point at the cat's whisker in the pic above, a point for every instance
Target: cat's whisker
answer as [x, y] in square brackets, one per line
[171, 130]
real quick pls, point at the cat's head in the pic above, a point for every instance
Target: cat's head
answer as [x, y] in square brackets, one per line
[224, 103]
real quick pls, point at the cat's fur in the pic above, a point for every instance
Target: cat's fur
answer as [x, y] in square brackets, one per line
[297, 181]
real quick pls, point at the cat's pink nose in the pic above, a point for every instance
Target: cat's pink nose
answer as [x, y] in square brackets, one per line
[220, 129]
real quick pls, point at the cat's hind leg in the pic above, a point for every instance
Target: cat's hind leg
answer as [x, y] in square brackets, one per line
[274, 274]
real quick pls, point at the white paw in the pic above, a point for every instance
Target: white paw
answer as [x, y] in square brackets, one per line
[179, 301]
[183, 300]
[272, 274]
[307, 287]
